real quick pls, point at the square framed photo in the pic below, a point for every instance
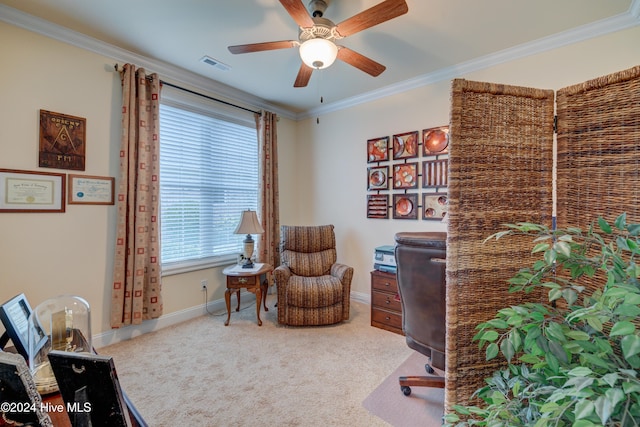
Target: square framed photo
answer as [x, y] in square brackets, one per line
[378, 149]
[405, 175]
[378, 178]
[435, 141]
[405, 145]
[378, 206]
[405, 206]
[434, 206]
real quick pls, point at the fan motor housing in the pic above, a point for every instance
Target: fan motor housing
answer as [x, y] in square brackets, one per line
[323, 29]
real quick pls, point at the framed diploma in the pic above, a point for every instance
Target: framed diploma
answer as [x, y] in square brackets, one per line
[91, 190]
[28, 191]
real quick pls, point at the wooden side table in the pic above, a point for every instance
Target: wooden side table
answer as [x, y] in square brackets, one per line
[254, 280]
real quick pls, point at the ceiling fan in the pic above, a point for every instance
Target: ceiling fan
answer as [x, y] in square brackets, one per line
[317, 36]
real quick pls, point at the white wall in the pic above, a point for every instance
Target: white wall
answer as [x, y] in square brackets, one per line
[335, 149]
[322, 166]
[49, 254]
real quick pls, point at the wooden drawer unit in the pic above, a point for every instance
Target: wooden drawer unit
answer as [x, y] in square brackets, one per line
[386, 310]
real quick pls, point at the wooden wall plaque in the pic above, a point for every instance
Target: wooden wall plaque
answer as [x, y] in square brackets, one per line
[62, 141]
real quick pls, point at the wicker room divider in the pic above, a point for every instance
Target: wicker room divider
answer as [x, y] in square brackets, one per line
[599, 152]
[500, 171]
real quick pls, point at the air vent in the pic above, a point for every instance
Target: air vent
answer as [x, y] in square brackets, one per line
[215, 63]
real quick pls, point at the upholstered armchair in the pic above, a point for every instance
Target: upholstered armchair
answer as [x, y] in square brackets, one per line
[313, 289]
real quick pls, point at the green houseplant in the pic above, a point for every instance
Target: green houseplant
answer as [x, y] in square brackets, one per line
[573, 360]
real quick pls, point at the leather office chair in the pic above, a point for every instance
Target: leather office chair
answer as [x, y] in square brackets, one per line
[421, 275]
[313, 289]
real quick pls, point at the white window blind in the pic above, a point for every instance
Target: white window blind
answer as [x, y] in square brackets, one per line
[208, 176]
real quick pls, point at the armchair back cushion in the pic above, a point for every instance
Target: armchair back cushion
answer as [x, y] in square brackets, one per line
[308, 251]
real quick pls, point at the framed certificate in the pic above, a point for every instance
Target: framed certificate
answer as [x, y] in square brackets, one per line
[28, 191]
[90, 190]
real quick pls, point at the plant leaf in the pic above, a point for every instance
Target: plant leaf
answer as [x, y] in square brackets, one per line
[630, 345]
[489, 336]
[621, 221]
[492, 351]
[634, 229]
[577, 335]
[506, 346]
[540, 247]
[604, 225]
[570, 296]
[550, 256]
[563, 248]
[622, 328]
[580, 371]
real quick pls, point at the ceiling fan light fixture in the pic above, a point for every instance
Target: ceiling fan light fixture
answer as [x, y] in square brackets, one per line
[318, 53]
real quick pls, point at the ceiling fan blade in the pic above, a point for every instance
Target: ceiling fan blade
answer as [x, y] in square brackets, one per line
[259, 47]
[304, 74]
[375, 15]
[298, 12]
[359, 61]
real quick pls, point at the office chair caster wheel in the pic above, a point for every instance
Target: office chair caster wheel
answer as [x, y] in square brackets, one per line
[429, 369]
[406, 390]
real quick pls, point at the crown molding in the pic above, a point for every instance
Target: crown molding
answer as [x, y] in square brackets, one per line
[620, 22]
[168, 71]
[616, 23]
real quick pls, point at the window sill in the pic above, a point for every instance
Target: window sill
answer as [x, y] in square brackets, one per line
[173, 268]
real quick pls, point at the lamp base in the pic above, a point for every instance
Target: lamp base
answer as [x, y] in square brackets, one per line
[248, 251]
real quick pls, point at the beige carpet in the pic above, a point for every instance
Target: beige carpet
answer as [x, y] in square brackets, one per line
[423, 407]
[201, 373]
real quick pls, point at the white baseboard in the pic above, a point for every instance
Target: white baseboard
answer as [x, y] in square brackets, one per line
[125, 333]
[115, 336]
[361, 297]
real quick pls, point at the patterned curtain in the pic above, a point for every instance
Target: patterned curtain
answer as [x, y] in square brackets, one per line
[268, 199]
[136, 273]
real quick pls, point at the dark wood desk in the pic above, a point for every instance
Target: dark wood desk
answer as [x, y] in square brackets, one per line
[255, 281]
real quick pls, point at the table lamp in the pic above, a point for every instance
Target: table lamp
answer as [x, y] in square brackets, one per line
[249, 225]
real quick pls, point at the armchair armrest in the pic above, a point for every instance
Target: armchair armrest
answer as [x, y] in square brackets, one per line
[281, 275]
[342, 272]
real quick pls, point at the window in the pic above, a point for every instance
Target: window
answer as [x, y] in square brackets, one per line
[208, 176]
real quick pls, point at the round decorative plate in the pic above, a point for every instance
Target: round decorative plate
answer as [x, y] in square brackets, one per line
[436, 140]
[404, 206]
[377, 178]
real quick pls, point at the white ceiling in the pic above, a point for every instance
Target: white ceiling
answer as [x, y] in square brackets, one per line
[435, 39]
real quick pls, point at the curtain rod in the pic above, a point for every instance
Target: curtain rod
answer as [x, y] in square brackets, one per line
[117, 68]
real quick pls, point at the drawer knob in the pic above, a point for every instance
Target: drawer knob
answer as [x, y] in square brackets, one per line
[242, 280]
[387, 318]
[388, 302]
[387, 284]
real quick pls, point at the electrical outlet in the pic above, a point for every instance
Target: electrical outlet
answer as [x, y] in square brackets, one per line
[203, 284]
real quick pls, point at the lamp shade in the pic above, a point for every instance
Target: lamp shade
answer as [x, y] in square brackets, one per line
[249, 224]
[318, 53]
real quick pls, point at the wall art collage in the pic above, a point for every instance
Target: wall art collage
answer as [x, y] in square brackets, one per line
[408, 174]
[61, 146]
